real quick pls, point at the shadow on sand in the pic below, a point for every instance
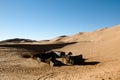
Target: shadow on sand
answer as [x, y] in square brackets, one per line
[90, 63]
[80, 64]
[38, 47]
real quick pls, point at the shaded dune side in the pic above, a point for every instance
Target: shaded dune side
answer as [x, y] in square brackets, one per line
[38, 47]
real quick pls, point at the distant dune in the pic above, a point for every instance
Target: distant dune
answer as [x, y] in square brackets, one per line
[100, 46]
[17, 40]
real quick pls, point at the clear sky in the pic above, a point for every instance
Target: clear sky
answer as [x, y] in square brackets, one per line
[47, 19]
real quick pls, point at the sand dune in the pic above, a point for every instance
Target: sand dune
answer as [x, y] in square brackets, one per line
[101, 49]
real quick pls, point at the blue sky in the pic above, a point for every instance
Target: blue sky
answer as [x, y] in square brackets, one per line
[47, 19]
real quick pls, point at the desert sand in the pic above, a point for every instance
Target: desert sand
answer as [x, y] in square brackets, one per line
[100, 48]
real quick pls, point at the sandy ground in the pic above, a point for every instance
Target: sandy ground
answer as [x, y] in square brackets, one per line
[101, 49]
[97, 67]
